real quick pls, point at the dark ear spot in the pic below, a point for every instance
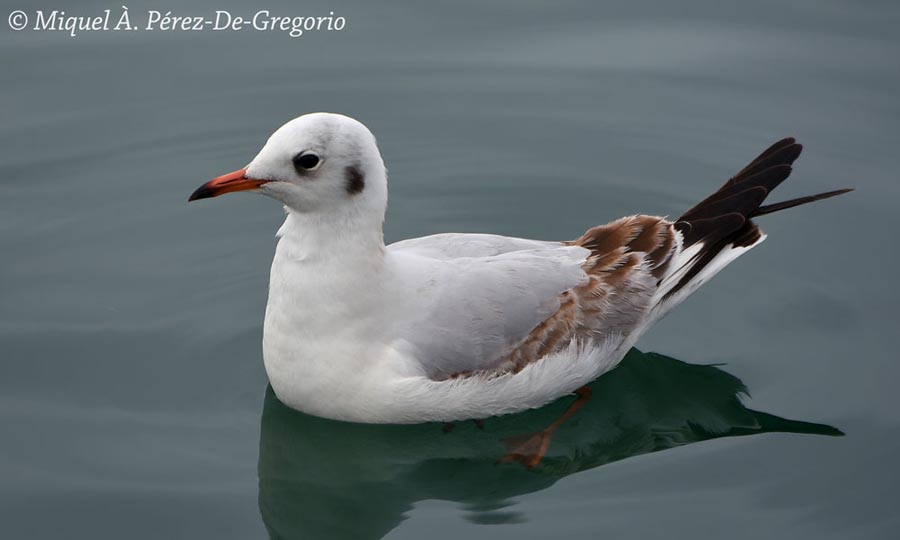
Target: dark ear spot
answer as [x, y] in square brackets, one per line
[356, 180]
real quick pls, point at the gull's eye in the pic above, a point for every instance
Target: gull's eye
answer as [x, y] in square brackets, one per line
[306, 162]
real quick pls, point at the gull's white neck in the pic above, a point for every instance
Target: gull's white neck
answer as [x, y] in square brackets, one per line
[323, 238]
[326, 289]
[326, 271]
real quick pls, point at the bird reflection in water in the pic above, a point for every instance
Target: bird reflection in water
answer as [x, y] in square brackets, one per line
[325, 479]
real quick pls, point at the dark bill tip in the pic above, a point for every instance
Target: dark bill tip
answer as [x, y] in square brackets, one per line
[202, 192]
[227, 183]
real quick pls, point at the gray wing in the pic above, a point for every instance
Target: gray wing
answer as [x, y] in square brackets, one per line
[487, 303]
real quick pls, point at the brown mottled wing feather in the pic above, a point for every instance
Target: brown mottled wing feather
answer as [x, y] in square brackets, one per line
[628, 256]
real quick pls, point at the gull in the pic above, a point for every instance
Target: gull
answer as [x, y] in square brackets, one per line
[456, 326]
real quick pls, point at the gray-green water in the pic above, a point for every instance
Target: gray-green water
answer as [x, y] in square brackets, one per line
[133, 400]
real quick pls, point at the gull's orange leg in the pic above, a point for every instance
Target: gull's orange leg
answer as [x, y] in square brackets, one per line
[530, 449]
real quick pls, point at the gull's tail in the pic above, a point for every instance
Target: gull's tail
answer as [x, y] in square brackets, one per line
[720, 228]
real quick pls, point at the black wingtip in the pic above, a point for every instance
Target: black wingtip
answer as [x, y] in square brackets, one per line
[784, 205]
[724, 218]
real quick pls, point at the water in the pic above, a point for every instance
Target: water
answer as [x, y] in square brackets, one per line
[133, 401]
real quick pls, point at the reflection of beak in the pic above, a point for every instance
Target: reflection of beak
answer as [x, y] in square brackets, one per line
[233, 181]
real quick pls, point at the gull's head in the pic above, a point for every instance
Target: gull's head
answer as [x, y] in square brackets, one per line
[317, 163]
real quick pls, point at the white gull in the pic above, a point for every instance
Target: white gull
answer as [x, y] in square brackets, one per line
[458, 326]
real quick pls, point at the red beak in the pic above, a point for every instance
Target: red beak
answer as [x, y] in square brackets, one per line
[233, 181]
